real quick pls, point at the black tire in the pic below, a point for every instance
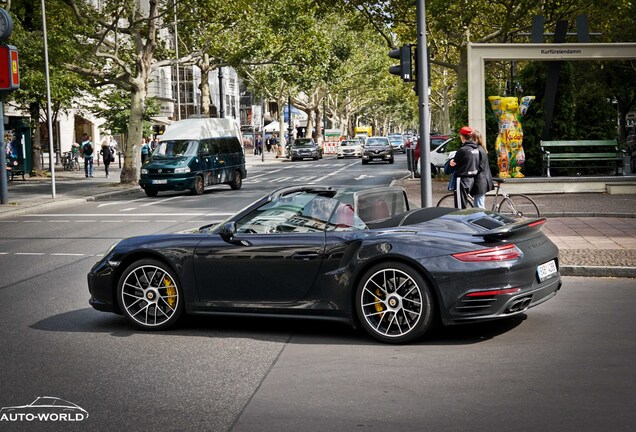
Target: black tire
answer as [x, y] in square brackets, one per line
[149, 295]
[447, 200]
[364, 162]
[199, 187]
[391, 161]
[518, 206]
[151, 192]
[237, 181]
[394, 303]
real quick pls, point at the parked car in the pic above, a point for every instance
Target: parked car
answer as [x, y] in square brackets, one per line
[438, 154]
[349, 148]
[361, 256]
[303, 148]
[377, 148]
[436, 140]
[193, 154]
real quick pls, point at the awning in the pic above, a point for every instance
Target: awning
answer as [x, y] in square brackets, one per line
[274, 127]
[161, 121]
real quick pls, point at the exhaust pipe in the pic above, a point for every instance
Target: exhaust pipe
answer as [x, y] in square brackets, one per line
[519, 305]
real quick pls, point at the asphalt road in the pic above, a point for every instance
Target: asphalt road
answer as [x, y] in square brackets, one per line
[566, 365]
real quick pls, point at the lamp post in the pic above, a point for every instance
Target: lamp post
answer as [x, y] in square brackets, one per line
[176, 60]
[48, 101]
[221, 106]
[289, 118]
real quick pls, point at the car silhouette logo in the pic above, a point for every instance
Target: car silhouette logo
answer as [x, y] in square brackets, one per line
[44, 409]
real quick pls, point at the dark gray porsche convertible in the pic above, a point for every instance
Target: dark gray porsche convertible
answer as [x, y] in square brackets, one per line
[356, 255]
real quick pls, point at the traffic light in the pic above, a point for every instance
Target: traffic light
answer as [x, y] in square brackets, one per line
[402, 53]
[9, 73]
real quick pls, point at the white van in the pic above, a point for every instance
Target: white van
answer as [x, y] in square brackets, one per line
[193, 154]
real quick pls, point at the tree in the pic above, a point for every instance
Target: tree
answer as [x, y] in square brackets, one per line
[122, 49]
[65, 86]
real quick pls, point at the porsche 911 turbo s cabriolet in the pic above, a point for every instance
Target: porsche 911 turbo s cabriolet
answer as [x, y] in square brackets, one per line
[362, 256]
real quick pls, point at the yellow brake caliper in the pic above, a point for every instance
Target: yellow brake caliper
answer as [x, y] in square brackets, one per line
[171, 292]
[378, 306]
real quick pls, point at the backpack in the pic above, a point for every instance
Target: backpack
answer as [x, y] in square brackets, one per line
[88, 149]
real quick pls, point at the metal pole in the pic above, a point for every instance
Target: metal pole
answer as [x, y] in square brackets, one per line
[221, 105]
[176, 60]
[48, 102]
[4, 175]
[424, 115]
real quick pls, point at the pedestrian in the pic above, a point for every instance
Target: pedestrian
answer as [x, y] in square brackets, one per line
[483, 181]
[268, 144]
[87, 153]
[145, 150]
[466, 165]
[108, 154]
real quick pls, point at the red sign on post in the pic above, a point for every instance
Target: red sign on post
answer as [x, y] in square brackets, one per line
[9, 70]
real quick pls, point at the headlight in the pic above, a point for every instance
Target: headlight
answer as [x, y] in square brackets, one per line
[144, 171]
[182, 170]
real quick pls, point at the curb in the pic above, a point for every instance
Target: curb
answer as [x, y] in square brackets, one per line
[598, 271]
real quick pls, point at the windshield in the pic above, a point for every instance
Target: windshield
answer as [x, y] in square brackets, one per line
[176, 148]
[377, 142]
[301, 212]
[303, 142]
[350, 143]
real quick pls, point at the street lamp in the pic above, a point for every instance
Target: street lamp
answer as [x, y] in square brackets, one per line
[48, 101]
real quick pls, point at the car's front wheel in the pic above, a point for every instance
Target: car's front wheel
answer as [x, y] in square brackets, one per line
[237, 181]
[394, 303]
[149, 295]
[199, 187]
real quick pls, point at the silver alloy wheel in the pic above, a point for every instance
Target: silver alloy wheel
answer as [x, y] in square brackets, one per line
[391, 302]
[149, 296]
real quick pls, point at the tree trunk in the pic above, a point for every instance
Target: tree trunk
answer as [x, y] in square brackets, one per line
[36, 150]
[204, 65]
[132, 148]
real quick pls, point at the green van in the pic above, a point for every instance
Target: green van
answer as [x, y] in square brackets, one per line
[193, 154]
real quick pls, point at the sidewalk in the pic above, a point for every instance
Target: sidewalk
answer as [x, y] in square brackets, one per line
[596, 233]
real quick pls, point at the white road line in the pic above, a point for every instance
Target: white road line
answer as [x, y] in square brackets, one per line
[67, 254]
[161, 201]
[120, 215]
[29, 253]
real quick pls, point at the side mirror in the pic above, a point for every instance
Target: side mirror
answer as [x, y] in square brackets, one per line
[228, 231]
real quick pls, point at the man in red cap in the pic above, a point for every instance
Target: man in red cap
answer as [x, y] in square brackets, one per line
[466, 166]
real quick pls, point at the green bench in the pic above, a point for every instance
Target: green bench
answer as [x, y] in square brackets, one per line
[598, 154]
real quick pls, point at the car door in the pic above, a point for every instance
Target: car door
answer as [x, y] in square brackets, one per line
[258, 268]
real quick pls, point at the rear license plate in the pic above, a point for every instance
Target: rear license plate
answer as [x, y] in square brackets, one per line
[547, 270]
[160, 182]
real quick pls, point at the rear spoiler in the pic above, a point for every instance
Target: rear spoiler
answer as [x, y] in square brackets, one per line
[513, 229]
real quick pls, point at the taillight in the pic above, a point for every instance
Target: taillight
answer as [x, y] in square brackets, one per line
[499, 253]
[493, 292]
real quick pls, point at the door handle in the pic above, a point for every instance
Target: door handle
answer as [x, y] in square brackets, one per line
[305, 256]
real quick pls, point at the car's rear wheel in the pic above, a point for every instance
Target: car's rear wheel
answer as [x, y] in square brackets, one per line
[198, 188]
[237, 181]
[149, 295]
[394, 303]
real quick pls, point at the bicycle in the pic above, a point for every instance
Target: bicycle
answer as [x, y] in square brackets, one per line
[518, 205]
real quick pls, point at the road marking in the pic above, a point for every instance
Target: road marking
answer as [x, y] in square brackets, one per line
[29, 253]
[155, 202]
[67, 254]
[128, 209]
